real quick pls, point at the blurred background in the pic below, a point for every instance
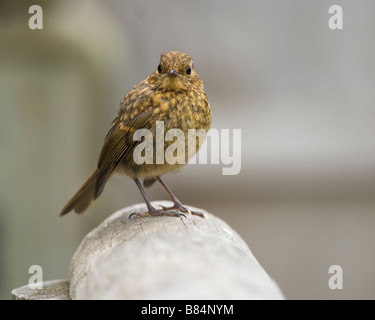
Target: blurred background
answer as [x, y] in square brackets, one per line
[302, 94]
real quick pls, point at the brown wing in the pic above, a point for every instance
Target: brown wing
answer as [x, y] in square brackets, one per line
[118, 144]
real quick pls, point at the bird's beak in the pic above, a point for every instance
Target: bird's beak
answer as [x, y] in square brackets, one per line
[173, 73]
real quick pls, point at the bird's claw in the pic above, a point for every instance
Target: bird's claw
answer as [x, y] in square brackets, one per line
[156, 213]
[183, 209]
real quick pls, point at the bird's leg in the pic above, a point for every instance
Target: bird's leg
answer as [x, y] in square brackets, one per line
[151, 210]
[177, 203]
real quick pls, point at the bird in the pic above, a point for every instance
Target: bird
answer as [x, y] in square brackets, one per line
[173, 95]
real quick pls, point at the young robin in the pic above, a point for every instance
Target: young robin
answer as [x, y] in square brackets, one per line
[173, 94]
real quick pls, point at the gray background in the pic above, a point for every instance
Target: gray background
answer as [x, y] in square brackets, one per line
[302, 94]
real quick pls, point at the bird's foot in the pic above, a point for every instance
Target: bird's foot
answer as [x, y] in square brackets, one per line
[156, 213]
[180, 207]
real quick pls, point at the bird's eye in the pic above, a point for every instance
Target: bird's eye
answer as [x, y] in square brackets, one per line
[188, 71]
[159, 68]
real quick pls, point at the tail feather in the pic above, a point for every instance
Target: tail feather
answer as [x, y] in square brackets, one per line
[84, 196]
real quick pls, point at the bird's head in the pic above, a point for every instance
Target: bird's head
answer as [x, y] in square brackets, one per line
[175, 72]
